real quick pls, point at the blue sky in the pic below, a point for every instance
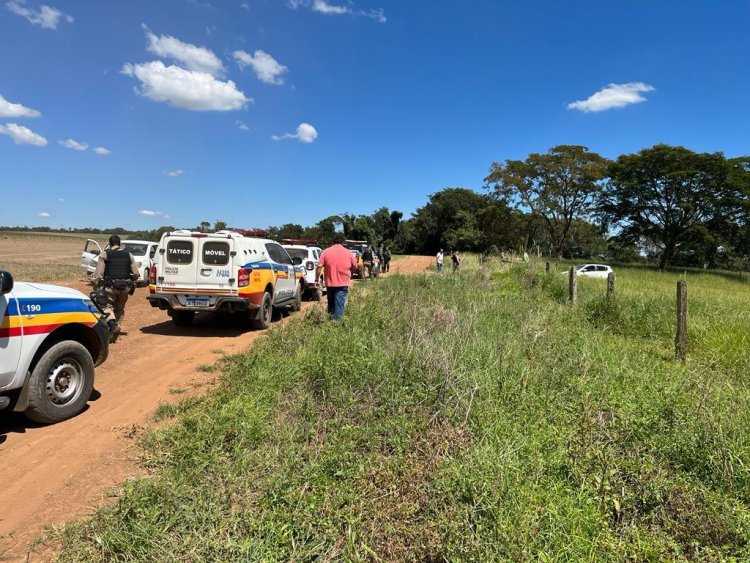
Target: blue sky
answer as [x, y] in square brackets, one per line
[263, 112]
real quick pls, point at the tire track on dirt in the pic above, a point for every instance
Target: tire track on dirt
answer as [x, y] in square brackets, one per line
[57, 473]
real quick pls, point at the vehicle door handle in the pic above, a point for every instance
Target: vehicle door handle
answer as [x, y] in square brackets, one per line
[206, 272]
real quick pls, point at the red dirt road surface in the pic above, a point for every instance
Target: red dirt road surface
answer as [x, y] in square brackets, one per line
[55, 474]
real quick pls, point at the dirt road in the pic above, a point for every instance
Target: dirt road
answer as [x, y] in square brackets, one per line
[54, 474]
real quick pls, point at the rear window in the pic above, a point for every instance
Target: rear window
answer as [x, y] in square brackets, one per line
[297, 253]
[180, 251]
[135, 249]
[216, 253]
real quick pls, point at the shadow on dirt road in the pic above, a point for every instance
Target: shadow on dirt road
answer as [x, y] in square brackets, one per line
[16, 423]
[204, 325]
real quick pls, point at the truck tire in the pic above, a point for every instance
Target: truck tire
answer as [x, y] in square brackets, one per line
[263, 321]
[183, 318]
[297, 304]
[61, 383]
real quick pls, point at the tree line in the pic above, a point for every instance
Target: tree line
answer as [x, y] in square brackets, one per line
[664, 204]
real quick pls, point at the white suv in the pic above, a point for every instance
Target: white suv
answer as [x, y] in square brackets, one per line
[143, 252]
[594, 271]
[223, 271]
[308, 256]
[51, 338]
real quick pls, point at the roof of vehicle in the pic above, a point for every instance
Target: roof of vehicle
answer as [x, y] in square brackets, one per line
[217, 235]
[134, 241]
[301, 246]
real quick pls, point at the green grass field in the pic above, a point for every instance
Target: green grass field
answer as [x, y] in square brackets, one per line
[475, 416]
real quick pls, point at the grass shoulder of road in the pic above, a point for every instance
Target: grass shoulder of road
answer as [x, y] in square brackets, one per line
[470, 416]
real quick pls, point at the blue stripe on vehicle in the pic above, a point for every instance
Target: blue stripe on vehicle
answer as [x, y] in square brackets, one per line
[47, 305]
[265, 266]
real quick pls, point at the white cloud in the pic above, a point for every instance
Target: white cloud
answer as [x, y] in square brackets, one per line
[190, 56]
[245, 6]
[151, 213]
[613, 96]
[74, 145]
[173, 173]
[46, 16]
[9, 109]
[22, 135]
[102, 151]
[327, 8]
[43, 214]
[61, 199]
[265, 67]
[242, 125]
[306, 133]
[191, 90]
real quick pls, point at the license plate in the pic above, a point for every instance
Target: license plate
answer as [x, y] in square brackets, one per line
[196, 302]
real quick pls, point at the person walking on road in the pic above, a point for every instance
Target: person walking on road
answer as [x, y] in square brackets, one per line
[456, 261]
[439, 261]
[116, 270]
[337, 264]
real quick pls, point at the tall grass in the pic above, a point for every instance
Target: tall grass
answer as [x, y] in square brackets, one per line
[475, 416]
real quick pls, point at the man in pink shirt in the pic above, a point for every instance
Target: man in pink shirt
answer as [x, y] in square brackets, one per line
[337, 264]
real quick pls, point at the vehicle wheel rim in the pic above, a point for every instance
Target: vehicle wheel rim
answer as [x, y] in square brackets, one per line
[64, 381]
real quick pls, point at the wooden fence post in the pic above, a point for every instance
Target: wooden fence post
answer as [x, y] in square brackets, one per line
[680, 340]
[572, 285]
[610, 285]
[546, 268]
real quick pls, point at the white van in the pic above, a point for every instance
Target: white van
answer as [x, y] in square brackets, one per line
[223, 271]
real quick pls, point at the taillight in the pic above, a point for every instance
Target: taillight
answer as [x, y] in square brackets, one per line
[243, 277]
[310, 266]
[152, 275]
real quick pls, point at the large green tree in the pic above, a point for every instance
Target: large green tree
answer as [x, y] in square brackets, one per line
[448, 219]
[665, 196]
[558, 187]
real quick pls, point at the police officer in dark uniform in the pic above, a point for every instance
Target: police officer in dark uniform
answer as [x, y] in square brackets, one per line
[117, 271]
[367, 260]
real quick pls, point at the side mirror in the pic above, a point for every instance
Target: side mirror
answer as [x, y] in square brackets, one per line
[6, 282]
[297, 261]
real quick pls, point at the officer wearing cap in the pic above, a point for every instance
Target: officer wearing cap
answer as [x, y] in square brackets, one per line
[116, 270]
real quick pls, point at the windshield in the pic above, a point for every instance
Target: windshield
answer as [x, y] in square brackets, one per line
[135, 249]
[297, 253]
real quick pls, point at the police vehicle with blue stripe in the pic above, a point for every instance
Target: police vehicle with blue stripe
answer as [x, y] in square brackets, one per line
[51, 338]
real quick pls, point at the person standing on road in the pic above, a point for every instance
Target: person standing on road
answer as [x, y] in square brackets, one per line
[439, 260]
[116, 270]
[367, 260]
[456, 260]
[337, 264]
[386, 259]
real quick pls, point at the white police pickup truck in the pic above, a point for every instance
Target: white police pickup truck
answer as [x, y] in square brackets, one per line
[51, 338]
